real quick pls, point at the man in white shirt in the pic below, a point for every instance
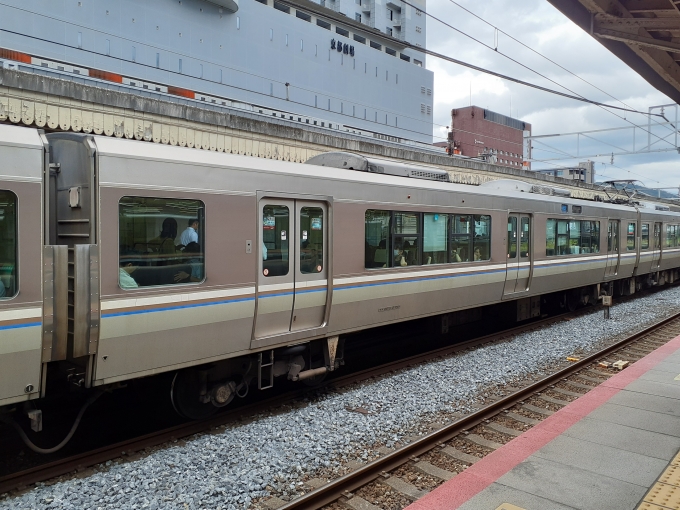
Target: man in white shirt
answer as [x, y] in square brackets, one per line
[125, 279]
[190, 234]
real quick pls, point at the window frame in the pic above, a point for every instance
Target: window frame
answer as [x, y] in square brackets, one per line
[568, 237]
[202, 222]
[470, 236]
[17, 257]
[634, 248]
[642, 236]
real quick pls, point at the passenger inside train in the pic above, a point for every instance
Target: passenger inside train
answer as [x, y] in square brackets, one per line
[125, 278]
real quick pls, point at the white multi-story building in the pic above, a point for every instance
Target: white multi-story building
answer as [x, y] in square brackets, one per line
[348, 63]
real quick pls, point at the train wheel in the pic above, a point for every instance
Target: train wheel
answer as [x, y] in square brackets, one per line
[185, 393]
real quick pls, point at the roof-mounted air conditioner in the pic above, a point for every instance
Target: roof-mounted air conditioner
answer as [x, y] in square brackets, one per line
[350, 161]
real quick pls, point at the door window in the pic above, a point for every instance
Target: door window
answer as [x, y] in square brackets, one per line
[657, 235]
[8, 244]
[671, 236]
[512, 237]
[275, 238]
[644, 241]
[524, 242]
[613, 237]
[630, 237]
[311, 240]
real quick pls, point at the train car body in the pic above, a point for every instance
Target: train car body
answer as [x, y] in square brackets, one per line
[22, 158]
[223, 267]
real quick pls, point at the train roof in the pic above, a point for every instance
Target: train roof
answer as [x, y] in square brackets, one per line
[17, 136]
[123, 148]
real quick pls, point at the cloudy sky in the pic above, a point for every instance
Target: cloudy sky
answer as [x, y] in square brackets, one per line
[544, 29]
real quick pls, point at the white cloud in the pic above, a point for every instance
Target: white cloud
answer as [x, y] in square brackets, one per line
[547, 31]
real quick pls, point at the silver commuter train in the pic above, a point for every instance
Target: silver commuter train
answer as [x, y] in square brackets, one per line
[282, 260]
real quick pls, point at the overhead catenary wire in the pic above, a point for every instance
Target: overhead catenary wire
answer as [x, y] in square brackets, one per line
[573, 95]
[533, 50]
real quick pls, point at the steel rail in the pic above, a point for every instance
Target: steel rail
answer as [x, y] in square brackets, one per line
[335, 489]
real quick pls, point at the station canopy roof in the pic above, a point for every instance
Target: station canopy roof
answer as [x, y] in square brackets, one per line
[645, 34]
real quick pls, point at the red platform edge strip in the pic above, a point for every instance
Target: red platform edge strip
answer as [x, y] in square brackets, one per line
[480, 475]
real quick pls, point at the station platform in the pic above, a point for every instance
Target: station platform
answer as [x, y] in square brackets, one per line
[617, 448]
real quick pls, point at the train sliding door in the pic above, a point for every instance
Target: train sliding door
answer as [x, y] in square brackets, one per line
[519, 261]
[612, 268]
[292, 287]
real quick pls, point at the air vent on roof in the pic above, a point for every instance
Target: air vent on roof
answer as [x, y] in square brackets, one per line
[549, 190]
[662, 208]
[517, 185]
[350, 161]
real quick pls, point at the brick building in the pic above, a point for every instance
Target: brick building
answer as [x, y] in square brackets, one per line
[495, 138]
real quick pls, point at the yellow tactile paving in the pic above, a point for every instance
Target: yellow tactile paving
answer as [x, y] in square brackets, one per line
[508, 506]
[665, 493]
[650, 506]
[671, 476]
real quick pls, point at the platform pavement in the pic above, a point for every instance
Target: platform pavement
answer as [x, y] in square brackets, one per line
[615, 448]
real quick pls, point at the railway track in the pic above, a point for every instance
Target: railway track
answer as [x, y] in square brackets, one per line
[77, 465]
[134, 448]
[408, 473]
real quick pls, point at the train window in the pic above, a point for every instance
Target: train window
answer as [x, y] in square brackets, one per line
[574, 237]
[8, 245]
[482, 239]
[435, 232]
[644, 241]
[590, 237]
[595, 236]
[311, 240]
[566, 237]
[512, 237]
[630, 237]
[562, 247]
[160, 241]
[550, 237]
[377, 240]
[275, 238]
[406, 239]
[461, 238]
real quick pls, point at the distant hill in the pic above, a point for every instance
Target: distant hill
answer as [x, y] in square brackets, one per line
[651, 192]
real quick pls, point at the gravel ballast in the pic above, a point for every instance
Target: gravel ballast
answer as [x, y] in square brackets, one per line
[241, 465]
